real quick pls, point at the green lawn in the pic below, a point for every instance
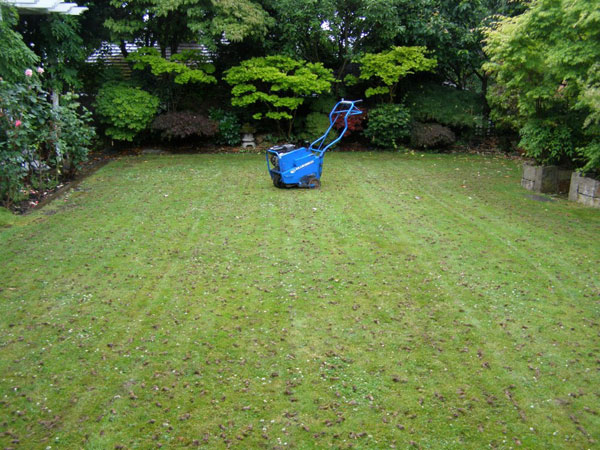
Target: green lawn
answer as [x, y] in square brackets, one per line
[414, 299]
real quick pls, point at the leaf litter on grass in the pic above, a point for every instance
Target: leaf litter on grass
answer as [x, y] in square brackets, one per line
[231, 313]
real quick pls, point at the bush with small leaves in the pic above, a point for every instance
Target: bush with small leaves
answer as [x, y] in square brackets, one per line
[125, 109]
[386, 69]
[388, 126]
[430, 102]
[548, 142]
[229, 127]
[314, 125]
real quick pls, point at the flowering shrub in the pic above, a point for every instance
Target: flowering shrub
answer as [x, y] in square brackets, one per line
[38, 143]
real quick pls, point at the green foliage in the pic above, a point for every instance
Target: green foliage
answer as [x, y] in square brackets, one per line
[56, 40]
[75, 133]
[445, 105]
[389, 67]
[185, 67]
[547, 142]
[229, 127]
[39, 143]
[126, 110]
[590, 154]
[545, 65]
[314, 125]
[276, 85]
[15, 56]
[171, 22]
[236, 20]
[322, 103]
[388, 125]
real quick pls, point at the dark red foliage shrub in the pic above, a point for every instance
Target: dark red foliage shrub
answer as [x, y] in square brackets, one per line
[184, 124]
[431, 135]
[355, 123]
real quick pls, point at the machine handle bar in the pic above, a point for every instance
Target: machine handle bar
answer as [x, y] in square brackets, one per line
[317, 146]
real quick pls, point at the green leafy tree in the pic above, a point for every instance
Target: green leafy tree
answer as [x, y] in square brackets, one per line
[298, 30]
[545, 65]
[387, 68]
[168, 23]
[56, 40]
[276, 86]
[15, 56]
[187, 67]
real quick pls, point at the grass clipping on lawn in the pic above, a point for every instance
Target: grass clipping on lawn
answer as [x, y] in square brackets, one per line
[414, 300]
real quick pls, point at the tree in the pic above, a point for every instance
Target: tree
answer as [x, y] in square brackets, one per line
[168, 23]
[545, 64]
[387, 68]
[55, 39]
[298, 30]
[276, 86]
[181, 70]
[15, 56]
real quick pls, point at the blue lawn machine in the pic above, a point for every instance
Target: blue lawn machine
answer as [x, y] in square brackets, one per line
[301, 167]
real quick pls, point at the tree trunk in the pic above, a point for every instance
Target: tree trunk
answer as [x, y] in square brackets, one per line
[123, 47]
[486, 107]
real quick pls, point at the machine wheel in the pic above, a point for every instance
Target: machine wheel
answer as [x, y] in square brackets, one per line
[314, 183]
[274, 161]
[277, 181]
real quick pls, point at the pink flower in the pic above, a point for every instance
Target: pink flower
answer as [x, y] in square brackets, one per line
[18, 123]
[28, 72]
[40, 70]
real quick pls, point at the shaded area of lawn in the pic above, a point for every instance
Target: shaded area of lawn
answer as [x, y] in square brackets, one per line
[182, 300]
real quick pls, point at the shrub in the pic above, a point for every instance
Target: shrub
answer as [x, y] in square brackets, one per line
[315, 124]
[546, 142]
[431, 135]
[126, 110]
[229, 127]
[75, 133]
[355, 123]
[591, 154]
[388, 125]
[322, 103]
[184, 124]
[445, 105]
[38, 143]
